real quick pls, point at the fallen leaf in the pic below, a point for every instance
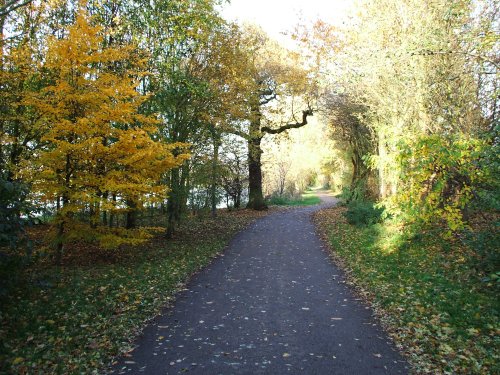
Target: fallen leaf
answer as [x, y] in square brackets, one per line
[18, 360]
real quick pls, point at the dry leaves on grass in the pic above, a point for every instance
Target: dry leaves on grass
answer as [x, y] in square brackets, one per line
[433, 301]
[75, 318]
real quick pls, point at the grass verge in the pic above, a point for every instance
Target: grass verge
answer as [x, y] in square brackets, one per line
[74, 319]
[440, 310]
[306, 199]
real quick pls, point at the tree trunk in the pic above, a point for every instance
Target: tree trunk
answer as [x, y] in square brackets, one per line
[60, 232]
[59, 246]
[382, 177]
[255, 197]
[239, 188]
[112, 214]
[62, 217]
[173, 202]
[185, 185]
[213, 188]
[105, 212]
[131, 214]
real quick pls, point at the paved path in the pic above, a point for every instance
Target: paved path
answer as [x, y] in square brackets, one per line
[273, 304]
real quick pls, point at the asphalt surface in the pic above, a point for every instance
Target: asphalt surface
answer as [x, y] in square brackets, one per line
[273, 304]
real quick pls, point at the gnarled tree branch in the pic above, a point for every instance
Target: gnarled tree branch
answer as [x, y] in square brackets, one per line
[239, 133]
[12, 5]
[267, 99]
[281, 129]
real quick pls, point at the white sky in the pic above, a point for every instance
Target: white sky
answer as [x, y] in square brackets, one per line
[277, 16]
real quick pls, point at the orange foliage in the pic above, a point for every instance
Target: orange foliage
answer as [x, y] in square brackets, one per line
[98, 144]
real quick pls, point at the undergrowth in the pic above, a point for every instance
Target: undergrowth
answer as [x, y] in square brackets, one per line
[363, 213]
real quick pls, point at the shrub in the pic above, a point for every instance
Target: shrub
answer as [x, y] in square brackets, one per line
[353, 194]
[362, 213]
[12, 206]
[442, 177]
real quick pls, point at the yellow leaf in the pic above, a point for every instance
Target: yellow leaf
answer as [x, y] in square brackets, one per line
[18, 360]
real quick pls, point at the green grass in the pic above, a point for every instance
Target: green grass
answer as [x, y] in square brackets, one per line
[75, 319]
[307, 199]
[438, 306]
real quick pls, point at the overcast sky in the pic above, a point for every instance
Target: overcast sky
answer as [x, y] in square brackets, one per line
[276, 16]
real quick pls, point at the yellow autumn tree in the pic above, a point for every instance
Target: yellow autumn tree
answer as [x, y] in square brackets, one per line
[102, 154]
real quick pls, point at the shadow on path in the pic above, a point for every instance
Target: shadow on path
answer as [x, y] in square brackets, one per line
[273, 304]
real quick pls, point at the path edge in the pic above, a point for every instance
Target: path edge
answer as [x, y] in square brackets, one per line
[366, 297]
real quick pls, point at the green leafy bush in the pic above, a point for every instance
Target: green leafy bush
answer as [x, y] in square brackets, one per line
[12, 206]
[353, 194]
[13, 238]
[486, 247]
[442, 177]
[362, 213]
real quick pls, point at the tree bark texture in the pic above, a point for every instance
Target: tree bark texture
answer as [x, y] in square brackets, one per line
[213, 188]
[255, 196]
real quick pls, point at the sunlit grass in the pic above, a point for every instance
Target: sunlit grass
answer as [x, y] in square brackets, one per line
[306, 199]
[430, 293]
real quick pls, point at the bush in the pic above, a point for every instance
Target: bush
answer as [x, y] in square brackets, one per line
[443, 177]
[358, 193]
[13, 238]
[362, 213]
[12, 206]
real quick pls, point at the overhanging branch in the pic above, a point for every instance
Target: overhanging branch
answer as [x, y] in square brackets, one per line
[281, 129]
[239, 133]
[267, 99]
[12, 5]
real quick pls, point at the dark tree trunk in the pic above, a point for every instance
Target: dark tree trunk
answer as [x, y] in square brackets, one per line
[239, 188]
[255, 197]
[213, 188]
[60, 232]
[111, 214]
[184, 191]
[173, 202]
[355, 172]
[60, 245]
[61, 227]
[131, 214]
[105, 212]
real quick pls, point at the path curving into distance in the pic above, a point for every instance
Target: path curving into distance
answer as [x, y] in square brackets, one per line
[273, 304]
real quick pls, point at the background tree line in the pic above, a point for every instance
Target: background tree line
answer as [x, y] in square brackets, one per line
[109, 108]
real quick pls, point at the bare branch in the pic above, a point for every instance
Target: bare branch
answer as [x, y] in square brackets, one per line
[268, 99]
[281, 129]
[12, 5]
